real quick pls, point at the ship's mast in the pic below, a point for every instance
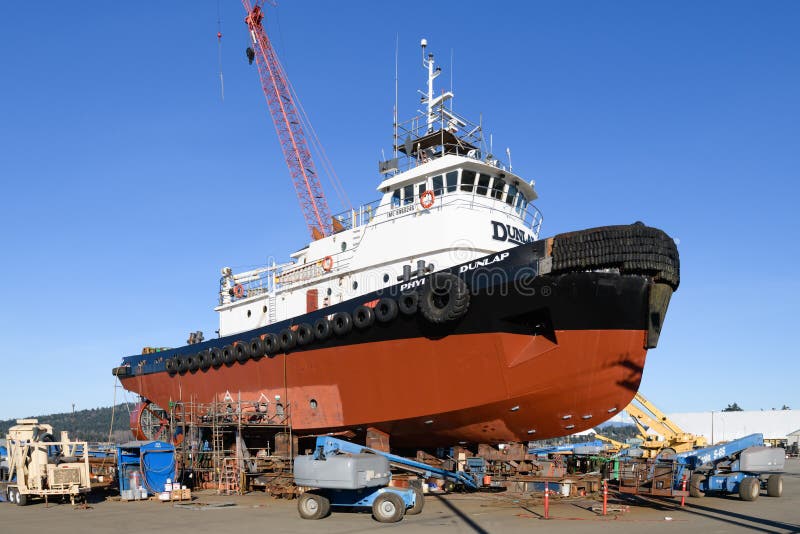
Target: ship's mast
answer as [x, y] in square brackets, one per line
[433, 73]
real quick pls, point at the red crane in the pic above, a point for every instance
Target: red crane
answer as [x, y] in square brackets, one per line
[288, 125]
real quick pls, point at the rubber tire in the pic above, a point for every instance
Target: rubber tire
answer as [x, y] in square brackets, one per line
[342, 324]
[388, 507]
[363, 317]
[22, 500]
[171, 365]
[313, 506]
[408, 303]
[694, 485]
[322, 329]
[204, 359]
[633, 249]
[287, 340]
[228, 356]
[774, 485]
[445, 299]
[749, 488]
[419, 502]
[241, 351]
[271, 344]
[193, 363]
[386, 310]
[11, 495]
[256, 348]
[216, 357]
[304, 334]
[183, 364]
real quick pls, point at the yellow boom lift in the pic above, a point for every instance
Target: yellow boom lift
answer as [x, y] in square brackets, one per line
[647, 417]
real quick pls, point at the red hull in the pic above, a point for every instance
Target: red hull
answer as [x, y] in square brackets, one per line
[480, 388]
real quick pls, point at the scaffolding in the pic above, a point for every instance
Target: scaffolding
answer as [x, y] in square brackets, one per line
[231, 445]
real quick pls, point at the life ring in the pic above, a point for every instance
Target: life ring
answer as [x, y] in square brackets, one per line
[327, 264]
[238, 291]
[427, 198]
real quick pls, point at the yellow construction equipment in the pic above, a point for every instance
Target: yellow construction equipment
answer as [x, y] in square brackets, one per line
[615, 446]
[649, 418]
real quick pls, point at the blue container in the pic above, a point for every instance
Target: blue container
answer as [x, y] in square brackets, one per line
[155, 460]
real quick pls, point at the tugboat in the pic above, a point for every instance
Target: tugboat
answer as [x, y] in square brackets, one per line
[436, 314]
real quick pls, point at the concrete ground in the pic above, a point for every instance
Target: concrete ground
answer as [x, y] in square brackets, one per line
[470, 513]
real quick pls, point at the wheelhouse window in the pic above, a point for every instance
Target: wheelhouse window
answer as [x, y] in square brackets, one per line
[408, 194]
[438, 185]
[483, 184]
[521, 204]
[421, 188]
[511, 196]
[396, 198]
[452, 181]
[467, 180]
[497, 188]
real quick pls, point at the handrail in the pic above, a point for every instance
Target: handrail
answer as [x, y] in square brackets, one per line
[267, 279]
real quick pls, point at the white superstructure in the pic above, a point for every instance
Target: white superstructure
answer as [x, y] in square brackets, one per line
[449, 205]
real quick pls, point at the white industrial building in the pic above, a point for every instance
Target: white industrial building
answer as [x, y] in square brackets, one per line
[775, 425]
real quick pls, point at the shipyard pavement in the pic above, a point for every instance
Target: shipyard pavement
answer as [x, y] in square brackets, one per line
[456, 513]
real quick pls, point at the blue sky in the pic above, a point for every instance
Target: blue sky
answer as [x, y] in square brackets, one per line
[127, 183]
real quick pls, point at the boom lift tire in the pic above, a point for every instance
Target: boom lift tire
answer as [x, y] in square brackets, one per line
[749, 488]
[313, 506]
[388, 508]
[774, 485]
[694, 485]
[419, 502]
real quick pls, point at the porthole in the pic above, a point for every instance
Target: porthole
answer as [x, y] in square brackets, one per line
[313, 404]
[330, 291]
[344, 246]
[264, 309]
[249, 313]
[355, 285]
[385, 278]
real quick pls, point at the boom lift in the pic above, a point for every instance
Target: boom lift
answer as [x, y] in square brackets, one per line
[347, 475]
[742, 466]
[647, 417]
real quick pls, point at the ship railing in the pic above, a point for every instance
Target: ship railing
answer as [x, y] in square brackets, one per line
[457, 135]
[248, 284]
[529, 217]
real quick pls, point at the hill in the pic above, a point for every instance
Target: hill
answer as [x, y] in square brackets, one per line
[87, 425]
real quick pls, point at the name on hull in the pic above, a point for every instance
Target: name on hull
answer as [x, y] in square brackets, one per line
[512, 234]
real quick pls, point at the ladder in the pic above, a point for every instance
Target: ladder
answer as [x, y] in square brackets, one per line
[271, 310]
[229, 481]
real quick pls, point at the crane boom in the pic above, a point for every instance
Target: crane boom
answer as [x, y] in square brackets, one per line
[288, 126]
